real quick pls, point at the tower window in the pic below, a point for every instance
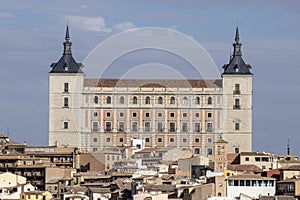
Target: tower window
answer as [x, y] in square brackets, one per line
[108, 100]
[121, 100]
[66, 87]
[209, 101]
[236, 150]
[237, 126]
[134, 100]
[96, 100]
[66, 102]
[147, 101]
[236, 104]
[66, 125]
[236, 89]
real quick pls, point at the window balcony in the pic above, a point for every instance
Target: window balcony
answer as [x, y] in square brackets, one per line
[236, 107]
[236, 92]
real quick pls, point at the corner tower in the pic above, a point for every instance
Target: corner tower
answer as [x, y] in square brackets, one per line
[65, 99]
[237, 100]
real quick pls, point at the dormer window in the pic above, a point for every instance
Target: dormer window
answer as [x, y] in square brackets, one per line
[236, 68]
[66, 67]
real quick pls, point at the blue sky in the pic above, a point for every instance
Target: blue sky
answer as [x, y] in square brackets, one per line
[32, 32]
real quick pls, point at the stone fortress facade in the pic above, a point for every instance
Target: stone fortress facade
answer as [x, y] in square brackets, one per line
[192, 114]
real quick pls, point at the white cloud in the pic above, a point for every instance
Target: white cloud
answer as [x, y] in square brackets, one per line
[124, 26]
[89, 23]
[6, 15]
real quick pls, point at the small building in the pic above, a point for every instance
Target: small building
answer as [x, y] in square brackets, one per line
[252, 185]
[36, 195]
[289, 187]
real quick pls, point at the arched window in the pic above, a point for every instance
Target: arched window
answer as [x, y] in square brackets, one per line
[185, 101]
[197, 100]
[172, 100]
[160, 100]
[96, 99]
[134, 100]
[147, 100]
[209, 101]
[121, 100]
[108, 100]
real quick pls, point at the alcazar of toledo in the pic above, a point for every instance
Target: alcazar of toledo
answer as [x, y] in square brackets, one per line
[92, 114]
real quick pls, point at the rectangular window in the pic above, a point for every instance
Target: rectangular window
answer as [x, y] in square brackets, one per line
[147, 114]
[66, 87]
[184, 114]
[121, 114]
[159, 114]
[209, 115]
[209, 151]
[159, 126]
[159, 140]
[95, 114]
[134, 114]
[134, 126]
[121, 126]
[184, 140]
[66, 125]
[172, 140]
[197, 127]
[95, 139]
[184, 127]
[172, 127]
[108, 114]
[209, 127]
[237, 150]
[209, 140]
[147, 126]
[197, 115]
[95, 149]
[121, 139]
[147, 140]
[107, 126]
[197, 150]
[236, 89]
[95, 126]
[66, 102]
[172, 115]
[197, 140]
[237, 126]
[236, 104]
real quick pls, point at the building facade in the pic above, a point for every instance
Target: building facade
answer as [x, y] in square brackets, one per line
[191, 114]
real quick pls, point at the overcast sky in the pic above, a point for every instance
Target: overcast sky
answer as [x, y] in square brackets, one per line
[32, 32]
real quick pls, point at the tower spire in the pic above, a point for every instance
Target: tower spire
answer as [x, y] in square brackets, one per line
[67, 43]
[288, 148]
[237, 45]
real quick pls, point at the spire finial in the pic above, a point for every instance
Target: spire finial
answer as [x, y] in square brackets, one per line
[288, 147]
[237, 34]
[67, 43]
[237, 45]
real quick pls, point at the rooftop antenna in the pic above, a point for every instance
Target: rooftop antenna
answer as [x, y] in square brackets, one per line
[7, 131]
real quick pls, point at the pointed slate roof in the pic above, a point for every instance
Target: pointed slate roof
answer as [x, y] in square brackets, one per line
[67, 63]
[236, 64]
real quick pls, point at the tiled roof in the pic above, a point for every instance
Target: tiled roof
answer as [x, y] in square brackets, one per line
[171, 83]
[248, 168]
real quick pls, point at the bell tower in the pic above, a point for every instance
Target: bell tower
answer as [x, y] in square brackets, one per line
[237, 101]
